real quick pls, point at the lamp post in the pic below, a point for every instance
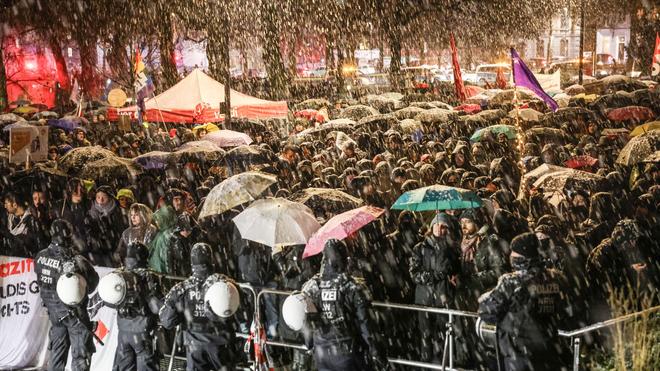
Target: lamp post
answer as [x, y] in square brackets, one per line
[580, 72]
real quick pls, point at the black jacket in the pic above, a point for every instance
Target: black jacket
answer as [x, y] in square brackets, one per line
[49, 265]
[185, 305]
[434, 261]
[528, 306]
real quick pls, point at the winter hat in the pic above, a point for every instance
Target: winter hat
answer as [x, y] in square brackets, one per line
[125, 192]
[107, 190]
[473, 215]
[526, 244]
[440, 218]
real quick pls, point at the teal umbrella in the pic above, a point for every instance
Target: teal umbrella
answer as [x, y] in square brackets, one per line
[438, 197]
[510, 131]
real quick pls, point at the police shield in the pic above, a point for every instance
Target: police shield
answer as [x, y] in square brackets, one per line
[295, 309]
[71, 288]
[221, 295]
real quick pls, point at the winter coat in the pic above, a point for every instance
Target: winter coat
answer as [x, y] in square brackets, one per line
[432, 265]
[167, 252]
[23, 236]
[105, 230]
[528, 306]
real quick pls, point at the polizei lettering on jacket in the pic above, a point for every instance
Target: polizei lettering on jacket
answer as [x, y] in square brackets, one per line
[49, 262]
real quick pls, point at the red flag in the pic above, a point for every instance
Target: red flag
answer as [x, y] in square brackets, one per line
[655, 64]
[458, 80]
[500, 80]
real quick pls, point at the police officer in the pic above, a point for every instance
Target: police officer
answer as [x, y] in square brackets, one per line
[342, 331]
[70, 325]
[137, 315]
[207, 337]
[527, 306]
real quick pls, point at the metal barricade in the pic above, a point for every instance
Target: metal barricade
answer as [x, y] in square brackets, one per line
[448, 352]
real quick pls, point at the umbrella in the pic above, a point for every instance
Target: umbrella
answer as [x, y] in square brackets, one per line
[228, 138]
[638, 148]
[45, 115]
[575, 89]
[437, 197]
[10, 117]
[422, 105]
[277, 222]
[243, 156]
[469, 108]
[506, 96]
[19, 125]
[526, 114]
[410, 112]
[325, 201]
[337, 124]
[340, 227]
[201, 150]
[641, 129]
[652, 158]
[543, 135]
[567, 179]
[310, 114]
[578, 162]
[44, 168]
[209, 127]
[315, 103]
[436, 115]
[472, 90]
[25, 110]
[409, 126]
[510, 131]
[358, 112]
[382, 122]
[63, 124]
[236, 190]
[154, 160]
[109, 168]
[531, 176]
[630, 113]
[610, 132]
[77, 157]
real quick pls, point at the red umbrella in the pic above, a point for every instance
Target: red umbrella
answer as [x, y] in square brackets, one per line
[469, 108]
[472, 90]
[579, 162]
[341, 226]
[630, 113]
[310, 114]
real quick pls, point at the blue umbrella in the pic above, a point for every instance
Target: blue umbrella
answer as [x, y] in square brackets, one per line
[153, 160]
[438, 197]
[68, 123]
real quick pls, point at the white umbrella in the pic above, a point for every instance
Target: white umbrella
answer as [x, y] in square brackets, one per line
[228, 138]
[236, 190]
[277, 222]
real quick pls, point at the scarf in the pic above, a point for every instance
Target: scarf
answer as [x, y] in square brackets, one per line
[19, 227]
[469, 247]
[99, 211]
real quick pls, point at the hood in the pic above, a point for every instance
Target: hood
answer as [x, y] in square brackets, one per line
[165, 218]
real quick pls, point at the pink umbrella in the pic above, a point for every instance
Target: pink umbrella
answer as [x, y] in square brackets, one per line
[340, 227]
[228, 138]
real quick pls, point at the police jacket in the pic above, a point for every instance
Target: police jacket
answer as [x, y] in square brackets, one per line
[343, 305]
[50, 264]
[139, 310]
[527, 305]
[185, 305]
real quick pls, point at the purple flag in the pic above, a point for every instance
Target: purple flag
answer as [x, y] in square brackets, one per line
[522, 76]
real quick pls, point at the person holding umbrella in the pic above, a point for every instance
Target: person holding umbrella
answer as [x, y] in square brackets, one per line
[433, 266]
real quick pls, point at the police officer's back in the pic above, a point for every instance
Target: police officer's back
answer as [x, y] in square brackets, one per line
[137, 314]
[208, 338]
[528, 305]
[70, 325]
[343, 330]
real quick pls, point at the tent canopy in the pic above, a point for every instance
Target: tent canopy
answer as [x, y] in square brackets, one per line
[197, 98]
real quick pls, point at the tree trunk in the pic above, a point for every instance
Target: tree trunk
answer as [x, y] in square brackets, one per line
[214, 53]
[119, 62]
[394, 40]
[60, 62]
[88, 62]
[278, 79]
[3, 77]
[169, 74]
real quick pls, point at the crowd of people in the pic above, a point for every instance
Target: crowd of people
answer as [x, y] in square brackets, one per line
[595, 235]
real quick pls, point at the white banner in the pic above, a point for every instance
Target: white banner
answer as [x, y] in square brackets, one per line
[24, 323]
[549, 82]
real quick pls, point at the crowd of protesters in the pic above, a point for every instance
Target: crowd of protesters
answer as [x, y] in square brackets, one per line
[602, 236]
